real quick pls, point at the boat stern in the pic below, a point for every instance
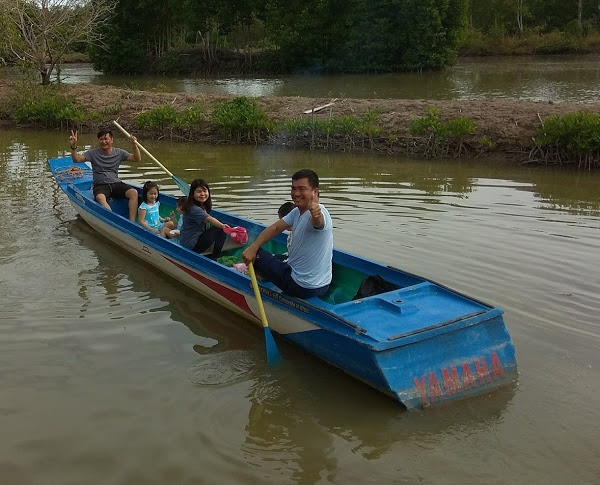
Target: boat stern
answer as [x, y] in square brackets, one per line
[462, 362]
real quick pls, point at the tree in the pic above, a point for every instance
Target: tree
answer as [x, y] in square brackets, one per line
[139, 34]
[49, 29]
[366, 35]
[497, 17]
[307, 33]
[520, 25]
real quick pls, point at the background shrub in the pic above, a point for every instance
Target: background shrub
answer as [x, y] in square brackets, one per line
[46, 105]
[158, 118]
[240, 117]
[577, 133]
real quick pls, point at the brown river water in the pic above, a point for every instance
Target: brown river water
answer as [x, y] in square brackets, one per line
[112, 373]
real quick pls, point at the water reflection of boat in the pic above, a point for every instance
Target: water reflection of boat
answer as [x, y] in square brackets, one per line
[298, 423]
[116, 272]
[418, 342]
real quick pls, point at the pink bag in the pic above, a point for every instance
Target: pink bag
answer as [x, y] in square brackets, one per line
[238, 234]
[241, 267]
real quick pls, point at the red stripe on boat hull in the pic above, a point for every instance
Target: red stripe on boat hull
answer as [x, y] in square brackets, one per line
[233, 296]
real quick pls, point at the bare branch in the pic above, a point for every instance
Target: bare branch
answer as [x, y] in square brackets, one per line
[48, 29]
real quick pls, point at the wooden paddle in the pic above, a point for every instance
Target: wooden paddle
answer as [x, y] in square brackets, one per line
[183, 186]
[273, 355]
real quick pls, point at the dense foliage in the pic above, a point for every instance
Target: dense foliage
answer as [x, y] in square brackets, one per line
[513, 16]
[276, 36]
[329, 35]
[283, 35]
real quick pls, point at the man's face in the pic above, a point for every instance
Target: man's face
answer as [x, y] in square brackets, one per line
[303, 194]
[105, 141]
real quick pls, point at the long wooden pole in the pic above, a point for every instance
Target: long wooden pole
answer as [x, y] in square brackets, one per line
[183, 186]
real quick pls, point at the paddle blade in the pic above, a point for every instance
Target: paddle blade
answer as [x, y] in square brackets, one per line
[182, 184]
[273, 355]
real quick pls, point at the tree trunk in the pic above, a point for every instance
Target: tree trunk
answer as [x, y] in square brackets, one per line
[471, 14]
[45, 76]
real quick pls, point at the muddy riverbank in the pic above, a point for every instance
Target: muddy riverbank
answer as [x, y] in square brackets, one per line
[509, 125]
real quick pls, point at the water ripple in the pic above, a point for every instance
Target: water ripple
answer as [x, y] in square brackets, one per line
[222, 368]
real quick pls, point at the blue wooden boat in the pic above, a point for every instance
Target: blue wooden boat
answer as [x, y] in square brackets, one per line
[421, 343]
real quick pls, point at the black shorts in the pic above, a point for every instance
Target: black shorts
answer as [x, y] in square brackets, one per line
[116, 190]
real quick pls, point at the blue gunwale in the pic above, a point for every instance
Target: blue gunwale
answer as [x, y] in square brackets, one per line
[420, 344]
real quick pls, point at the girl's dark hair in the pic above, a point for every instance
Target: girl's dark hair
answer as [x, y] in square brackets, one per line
[181, 200]
[147, 186]
[190, 199]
